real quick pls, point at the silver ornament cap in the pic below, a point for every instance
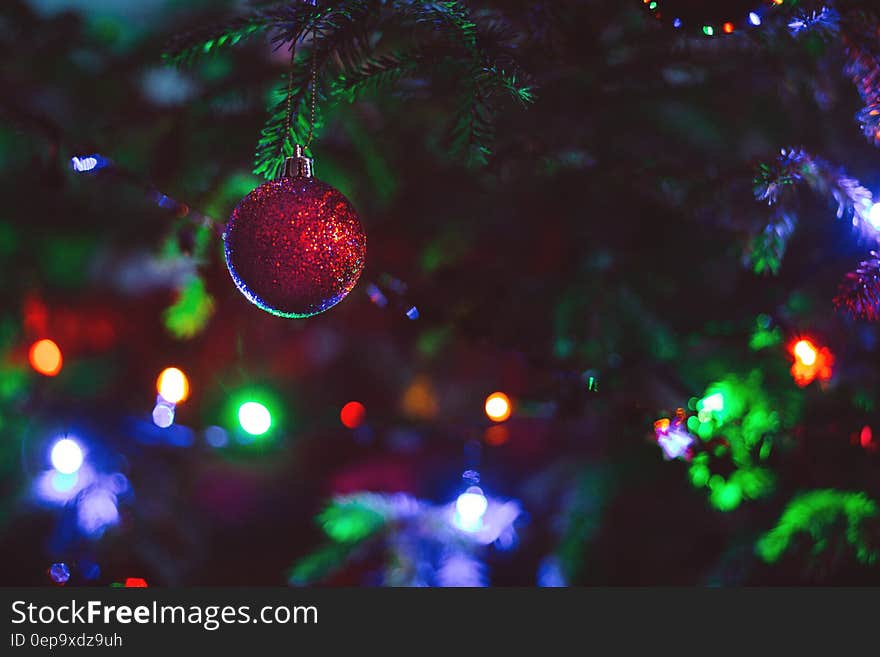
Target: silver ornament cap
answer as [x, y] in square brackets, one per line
[298, 166]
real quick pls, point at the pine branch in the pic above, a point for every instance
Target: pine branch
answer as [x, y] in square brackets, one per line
[824, 21]
[863, 67]
[188, 47]
[451, 20]
[793, 166]
[860, 290]
[439, 38]
[373, 74]
[275, 142]
[767, 249]
[472, 131]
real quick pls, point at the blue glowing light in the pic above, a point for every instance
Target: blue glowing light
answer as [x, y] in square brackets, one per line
[96, 511]
[59, 573]
[376, 296]
[676, 23]
[754, 19]
[412, 313]
[84, 163]
[470, 507]
[66, 456]
[216, 436]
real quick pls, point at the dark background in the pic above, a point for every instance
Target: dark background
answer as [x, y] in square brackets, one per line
[605, 237]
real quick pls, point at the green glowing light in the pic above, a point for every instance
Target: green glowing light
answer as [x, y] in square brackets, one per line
[189, 314]
[351, 519]
[708, 30]
[828, 517]
[652, 6]
[254, 418]
[726, 496]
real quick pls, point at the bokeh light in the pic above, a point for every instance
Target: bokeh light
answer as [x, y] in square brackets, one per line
[496, 435]
[173, 385]
[470, 507]
[59, 573]
[254, 418]
[498, 407]
[45, 357]
[96, 511]
[163, 415]
[805, 352]
[135, 583]
[66, 456]
[810, 362]
[874, 215]
[352, 414]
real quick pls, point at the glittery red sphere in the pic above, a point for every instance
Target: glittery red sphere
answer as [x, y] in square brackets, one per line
[295, 246]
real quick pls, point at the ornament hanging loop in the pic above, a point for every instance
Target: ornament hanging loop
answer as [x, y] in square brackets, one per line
[298, 166]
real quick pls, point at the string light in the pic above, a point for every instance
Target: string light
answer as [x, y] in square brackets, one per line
[254, 418]
[470, 507]
[702, 20]
[810, 362]
[66, 456]
[59, 573]
[173, 385]
[498, 407]
[805, 352]
[163, 414]
[45, 357]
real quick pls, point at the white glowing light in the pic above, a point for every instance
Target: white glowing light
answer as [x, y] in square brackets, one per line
[675, 444]
[470, 507]
[66, 456]
[754, 19]
[254, 418]
[163, 415]
[805, 352]
[874, 216]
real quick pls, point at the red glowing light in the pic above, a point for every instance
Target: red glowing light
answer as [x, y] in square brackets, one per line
[135, 583]
[352, 414]
[45, 357]
[497, 434]
[810, 362]
[727, 27]
[866, 437]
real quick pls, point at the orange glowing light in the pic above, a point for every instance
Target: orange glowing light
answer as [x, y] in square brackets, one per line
[498, 407]
[45, 357]
[352, 414]
[727, 27]
[662, 425]
[173, 385]
[419, 401]
[810, 362]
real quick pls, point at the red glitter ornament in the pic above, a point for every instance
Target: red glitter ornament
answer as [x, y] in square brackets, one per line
[295, 246]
